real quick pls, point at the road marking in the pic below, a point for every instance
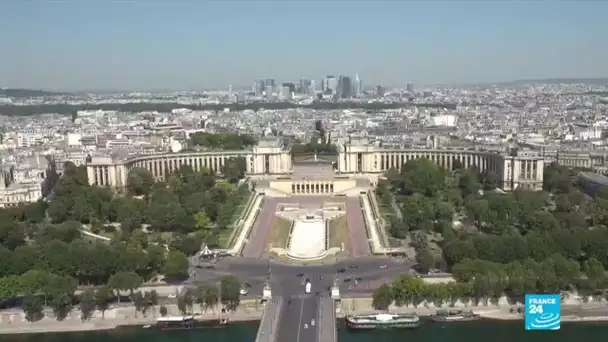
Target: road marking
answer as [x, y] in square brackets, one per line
[300, 321]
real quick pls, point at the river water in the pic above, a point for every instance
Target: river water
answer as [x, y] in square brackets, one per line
[481, 331]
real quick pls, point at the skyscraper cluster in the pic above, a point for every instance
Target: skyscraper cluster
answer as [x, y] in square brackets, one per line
[342, 87]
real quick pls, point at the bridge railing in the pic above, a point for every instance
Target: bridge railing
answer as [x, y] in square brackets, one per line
[326, 329]
[270, 320]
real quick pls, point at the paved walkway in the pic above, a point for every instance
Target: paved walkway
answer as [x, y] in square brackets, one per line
[260, 229]
[307, 238]
[268, 329]
[356, 227]
[12, 321]
[326, 329]
[374, 230]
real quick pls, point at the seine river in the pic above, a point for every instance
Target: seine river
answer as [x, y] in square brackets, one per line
[428, 332]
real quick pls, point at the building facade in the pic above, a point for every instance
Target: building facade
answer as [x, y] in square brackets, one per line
[356, 159]
[13, 194]
[522, 169]
[267, 158]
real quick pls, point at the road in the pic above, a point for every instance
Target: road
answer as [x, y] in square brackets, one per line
[296, 315]
[356, 226]
[300, 308]
[257, 244]
[369, 271]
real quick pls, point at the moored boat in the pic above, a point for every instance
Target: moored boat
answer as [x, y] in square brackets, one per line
[187, 322]
[447, 316]
[383, 321]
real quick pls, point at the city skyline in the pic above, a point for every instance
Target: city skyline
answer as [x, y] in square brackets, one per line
[144, 45]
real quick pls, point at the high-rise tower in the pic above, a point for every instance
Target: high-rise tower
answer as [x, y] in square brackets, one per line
[345, 87]
[358, 86]
[329, 85]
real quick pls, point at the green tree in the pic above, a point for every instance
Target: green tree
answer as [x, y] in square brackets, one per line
[234, 169]
[33, 308]
[165, 212]
[139, 239]
[594, 270]
[61, 291]
[185, 301]
[557, 179]
[230, 288]
[124, 281]
[425, 260]
[103, 295]
[383, 297]
[420, 176]
[139, 302]
[398, 229]
[176, 266]
[202, 221]
[36, 212]
[155, 260]
[419, 240]
[226, 141]
[68, 109]
[33, 282]
[468, 182]
[207, 296]
[9, 287]
[458, 250]
[139, 182]
[152, 300]
[87, 305]
[408, 290]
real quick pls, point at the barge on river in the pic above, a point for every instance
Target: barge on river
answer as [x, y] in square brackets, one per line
[186, 322]
[383, 321]
[448, 316]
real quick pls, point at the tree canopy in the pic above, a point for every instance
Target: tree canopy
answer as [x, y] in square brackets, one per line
[46, 252]
[225, 141]
[67, 109]
[456, 222]
[316, 145]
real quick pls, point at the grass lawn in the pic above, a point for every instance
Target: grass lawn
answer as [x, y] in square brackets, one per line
[279, 233]
[225, 235]
[393, 243]
[339, 233]
[386, 211]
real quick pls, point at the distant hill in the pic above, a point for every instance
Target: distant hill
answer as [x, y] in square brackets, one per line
[17, 93]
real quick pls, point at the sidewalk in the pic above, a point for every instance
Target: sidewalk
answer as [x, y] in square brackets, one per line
[13, 321]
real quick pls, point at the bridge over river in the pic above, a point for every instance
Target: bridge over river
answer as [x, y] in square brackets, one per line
[288, 318]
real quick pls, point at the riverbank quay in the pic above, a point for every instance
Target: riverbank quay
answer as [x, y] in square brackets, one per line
[579, 312]
[12, 321]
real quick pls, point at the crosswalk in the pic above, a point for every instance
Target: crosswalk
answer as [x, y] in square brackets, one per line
[301, 296]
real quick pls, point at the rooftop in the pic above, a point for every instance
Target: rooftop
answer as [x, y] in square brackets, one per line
[594, 177]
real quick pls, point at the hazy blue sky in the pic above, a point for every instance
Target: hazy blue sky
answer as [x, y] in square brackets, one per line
[175, 44]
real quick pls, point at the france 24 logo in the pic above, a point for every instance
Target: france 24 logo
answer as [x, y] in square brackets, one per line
[543, 311]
